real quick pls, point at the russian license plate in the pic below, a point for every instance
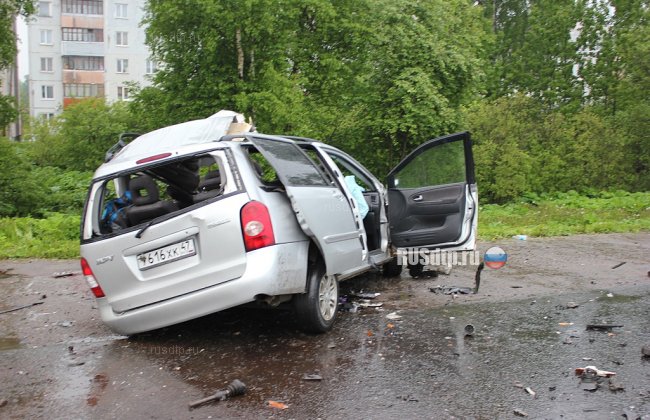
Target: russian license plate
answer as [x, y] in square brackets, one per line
[166, 254]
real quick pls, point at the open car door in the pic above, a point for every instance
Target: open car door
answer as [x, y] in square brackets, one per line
[432, 196]
[322, 210]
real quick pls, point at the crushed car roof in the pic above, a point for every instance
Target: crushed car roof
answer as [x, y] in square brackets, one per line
[179, 135]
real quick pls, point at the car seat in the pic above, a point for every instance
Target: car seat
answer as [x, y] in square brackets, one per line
[146, 201]
[209, 187]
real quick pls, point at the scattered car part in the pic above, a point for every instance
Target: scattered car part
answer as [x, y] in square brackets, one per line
[20, 307]
[602, 327]
[235, 388]
[469, 330]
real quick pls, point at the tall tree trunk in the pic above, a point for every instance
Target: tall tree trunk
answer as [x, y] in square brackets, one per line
[240, 53]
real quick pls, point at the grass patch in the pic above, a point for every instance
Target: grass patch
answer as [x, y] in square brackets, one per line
[56, 236]
[567, 214]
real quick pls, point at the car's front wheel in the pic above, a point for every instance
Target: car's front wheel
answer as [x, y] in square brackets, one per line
[317, 308]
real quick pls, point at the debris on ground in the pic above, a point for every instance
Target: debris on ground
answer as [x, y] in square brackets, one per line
[348, 304]
[3, 402]
[571, 305]
[364, 295]
[530, 391]
[6, 311]
[451, 290]
[66, 324]
[348, 307]
[364, 304]
[520, 237]
[477, 277]
[393, 316]
[615, 385]
[64, 274]
[235, 388]
[602, 327]
[593, 371]
[520, 413]
[645, 350]
[565, 324]
[618, 265]
[312, 377]
[518, 384]
[277, 404]
[469, 330]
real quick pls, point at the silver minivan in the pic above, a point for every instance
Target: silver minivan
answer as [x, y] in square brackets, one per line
[206, 215]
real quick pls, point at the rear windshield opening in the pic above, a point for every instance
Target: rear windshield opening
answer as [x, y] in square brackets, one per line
[132, 199]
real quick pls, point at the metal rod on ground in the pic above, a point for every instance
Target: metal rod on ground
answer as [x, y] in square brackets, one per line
[237, 387]
[20, 307]
[477, 278]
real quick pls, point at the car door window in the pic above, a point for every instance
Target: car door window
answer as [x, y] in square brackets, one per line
[348, 168]
[297, 169]
[441, 165]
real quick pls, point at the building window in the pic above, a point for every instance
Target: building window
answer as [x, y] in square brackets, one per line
[46, 64]
[83, 62]
[122, 93]
[122, 65]
[151, 66]
[82, 90]
[121, 10]
[46, 115]
[82, 34]
[83, 7]
[46, 36]
[121, 39]
[44, 9]
[47, 92]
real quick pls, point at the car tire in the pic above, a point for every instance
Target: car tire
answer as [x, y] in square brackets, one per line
[392, 268]
[316, 310]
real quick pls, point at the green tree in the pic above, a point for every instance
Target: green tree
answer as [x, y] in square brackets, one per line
[536, 50]
[78, 138]
[375, 77]
[9, 11]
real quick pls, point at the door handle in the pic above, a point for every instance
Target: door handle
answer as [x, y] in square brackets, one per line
[417, 197]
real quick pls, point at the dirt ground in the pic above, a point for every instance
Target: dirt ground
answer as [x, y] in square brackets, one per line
[530, 317]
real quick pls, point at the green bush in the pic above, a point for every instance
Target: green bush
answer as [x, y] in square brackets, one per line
[20, 192]
[56, 236]
[79, 137]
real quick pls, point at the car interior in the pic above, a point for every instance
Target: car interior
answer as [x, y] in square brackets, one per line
[159, 191]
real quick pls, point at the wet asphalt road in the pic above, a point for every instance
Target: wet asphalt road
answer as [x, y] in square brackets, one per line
[58, 361]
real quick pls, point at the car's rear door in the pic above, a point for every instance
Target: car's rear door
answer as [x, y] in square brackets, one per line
[321, 208]
[432, 196]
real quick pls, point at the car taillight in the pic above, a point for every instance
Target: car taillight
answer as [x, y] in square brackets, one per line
[256, 226]
[90, 279]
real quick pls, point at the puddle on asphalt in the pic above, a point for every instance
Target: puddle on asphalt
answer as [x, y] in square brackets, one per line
[9, 343]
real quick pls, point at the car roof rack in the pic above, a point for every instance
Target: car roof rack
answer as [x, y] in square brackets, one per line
[115, 149]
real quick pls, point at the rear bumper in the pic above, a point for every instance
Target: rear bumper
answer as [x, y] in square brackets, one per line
[275, 270]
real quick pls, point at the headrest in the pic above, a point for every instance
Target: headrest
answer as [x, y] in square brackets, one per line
[144, 190]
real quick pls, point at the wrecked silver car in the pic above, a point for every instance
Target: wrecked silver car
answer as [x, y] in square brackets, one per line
[206, 215]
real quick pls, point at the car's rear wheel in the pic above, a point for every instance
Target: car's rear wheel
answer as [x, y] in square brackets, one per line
[317, 308]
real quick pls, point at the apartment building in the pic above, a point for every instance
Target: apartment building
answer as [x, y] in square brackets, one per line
[85, 48]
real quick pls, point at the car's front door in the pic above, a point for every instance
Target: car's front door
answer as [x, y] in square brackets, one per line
[322, 210]
[432, 196]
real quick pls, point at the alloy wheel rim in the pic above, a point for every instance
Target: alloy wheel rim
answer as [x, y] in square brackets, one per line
[327, 297]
